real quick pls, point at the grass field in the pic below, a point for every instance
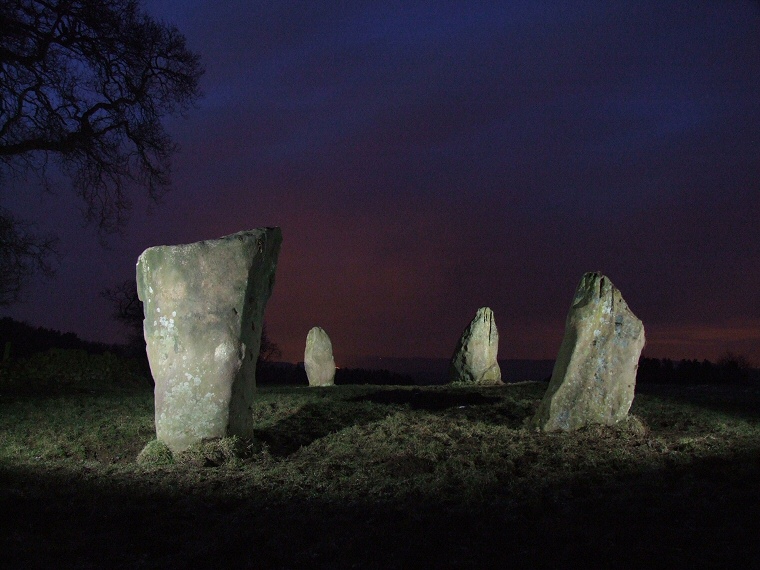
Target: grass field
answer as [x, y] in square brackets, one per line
[380, 477]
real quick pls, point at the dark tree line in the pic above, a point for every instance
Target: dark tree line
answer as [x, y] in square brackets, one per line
[729, 369]
[20, 340]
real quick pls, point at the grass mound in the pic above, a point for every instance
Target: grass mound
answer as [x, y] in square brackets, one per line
[217, 452]
[155, 453]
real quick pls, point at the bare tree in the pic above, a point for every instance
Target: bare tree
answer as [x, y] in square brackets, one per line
[126, 305]
[268, 351]
[84, 84]
[22, 252]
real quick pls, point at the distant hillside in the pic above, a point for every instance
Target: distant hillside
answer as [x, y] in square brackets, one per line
[435, 370]
[289, 374]
[730, 369]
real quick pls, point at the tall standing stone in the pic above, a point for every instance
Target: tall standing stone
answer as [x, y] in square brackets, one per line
[204, 307]
[318, 358]
[595, 372]
[475, 358]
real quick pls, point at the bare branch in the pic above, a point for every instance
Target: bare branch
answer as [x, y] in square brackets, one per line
[22, 253]
[86, 83]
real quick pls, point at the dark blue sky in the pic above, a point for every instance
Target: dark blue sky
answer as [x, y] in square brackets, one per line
[427, 158]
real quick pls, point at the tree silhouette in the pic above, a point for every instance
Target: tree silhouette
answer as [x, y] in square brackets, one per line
[84, 85]
[268, 350]
[22, 252]
[126, 305]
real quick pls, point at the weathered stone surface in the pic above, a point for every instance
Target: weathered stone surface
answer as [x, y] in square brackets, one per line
[475, 358]
[595, 372]
[204, 306]
[318, 358]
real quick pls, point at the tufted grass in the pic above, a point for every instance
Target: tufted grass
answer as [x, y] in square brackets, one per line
[380, 477]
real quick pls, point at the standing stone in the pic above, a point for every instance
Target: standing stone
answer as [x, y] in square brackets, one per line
[595, 372]
[318, 358]
[474, 359]
[204, 306]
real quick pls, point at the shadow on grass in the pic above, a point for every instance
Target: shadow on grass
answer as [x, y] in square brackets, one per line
[316, 420]
[427, 400]
[699, 515]
[505, 409]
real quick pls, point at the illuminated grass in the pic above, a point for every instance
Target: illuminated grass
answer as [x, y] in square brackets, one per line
[363, 476]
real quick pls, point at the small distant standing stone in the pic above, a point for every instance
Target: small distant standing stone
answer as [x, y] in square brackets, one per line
[594, 375]
[318, 358]
[475, 358]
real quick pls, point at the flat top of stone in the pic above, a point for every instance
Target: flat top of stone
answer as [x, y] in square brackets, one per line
[241, 236]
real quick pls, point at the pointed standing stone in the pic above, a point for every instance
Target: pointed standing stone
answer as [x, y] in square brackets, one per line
[318, 358]
[595, 372]
[474, 359]
[204, 306]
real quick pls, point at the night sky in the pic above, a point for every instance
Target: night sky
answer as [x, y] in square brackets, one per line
[424, 159]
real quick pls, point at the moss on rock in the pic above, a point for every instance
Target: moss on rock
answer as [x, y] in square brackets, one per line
[155, 452]
[214, 452]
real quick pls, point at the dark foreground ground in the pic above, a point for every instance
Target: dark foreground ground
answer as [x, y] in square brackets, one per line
[382, 477]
